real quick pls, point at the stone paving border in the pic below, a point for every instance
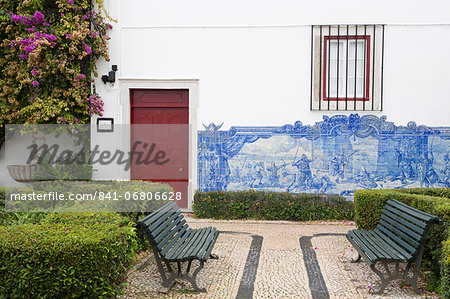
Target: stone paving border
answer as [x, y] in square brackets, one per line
[317, 284]
[280, 271]
[247, 284]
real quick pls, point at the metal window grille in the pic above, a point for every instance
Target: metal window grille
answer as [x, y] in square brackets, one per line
[347, 67]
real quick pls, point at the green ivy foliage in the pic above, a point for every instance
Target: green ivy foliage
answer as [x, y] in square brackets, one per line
[369, 205]
[271, 206]
[48, 54]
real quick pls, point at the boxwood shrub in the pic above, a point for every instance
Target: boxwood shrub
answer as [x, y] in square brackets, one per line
[271, 206]
[445, 270]
[437, 192]
[368, 208]
[2, 199]
[66, 256]
[111, 196]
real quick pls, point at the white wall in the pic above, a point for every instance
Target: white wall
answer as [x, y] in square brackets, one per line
[252, 58]
[279, 12]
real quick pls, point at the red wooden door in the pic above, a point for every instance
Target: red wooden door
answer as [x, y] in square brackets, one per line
[160, 123]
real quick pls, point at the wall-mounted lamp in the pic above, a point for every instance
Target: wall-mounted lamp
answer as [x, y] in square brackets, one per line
[111, 77]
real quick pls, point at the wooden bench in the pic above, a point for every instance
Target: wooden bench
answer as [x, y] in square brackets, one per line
[172, 241]
[399, 237]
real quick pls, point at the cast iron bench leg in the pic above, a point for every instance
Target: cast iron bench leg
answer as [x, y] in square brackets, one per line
[384, 280]
[192, 279]
[413, 280]
[388, 277]
[168, 282]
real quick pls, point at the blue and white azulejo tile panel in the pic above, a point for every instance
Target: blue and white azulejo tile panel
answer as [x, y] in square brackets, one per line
[336, 155]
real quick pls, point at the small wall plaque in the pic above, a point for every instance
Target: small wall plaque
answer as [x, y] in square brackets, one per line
[105, 124]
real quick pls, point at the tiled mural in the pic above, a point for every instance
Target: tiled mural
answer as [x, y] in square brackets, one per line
[336, 155]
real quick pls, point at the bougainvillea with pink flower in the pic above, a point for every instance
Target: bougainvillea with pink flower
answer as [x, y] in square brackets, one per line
[48, 55]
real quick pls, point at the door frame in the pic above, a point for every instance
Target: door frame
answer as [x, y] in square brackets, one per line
[126, 84]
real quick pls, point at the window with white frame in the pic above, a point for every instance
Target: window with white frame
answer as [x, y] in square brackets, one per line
[346, 67]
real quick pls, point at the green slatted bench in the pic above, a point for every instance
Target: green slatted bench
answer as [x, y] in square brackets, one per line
[172, 241]
[399, 237]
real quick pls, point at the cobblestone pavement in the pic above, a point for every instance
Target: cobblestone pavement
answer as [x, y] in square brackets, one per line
[275, 269]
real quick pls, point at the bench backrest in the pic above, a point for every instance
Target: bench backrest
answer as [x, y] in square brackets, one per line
[405, 226]
[164, 226]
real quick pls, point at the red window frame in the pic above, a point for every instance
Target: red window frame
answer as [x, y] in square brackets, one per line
[344, 37]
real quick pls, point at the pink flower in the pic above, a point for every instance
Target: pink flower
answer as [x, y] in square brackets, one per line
[38, 17]
[87, 48]
[35, 83]
[70, 1]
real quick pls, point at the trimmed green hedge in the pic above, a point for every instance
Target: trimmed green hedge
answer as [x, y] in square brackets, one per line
[86, 219]
[437, 192]
[271, 206]
[445, 270]
[2, 199]
[84, 255]
[72, 254]
[370, 203]
[111, 196]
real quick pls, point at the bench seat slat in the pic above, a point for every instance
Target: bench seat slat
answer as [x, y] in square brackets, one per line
[400, 236]
[367, 244]
[200, 253]
[411, 211]
[174, 240]
[163, 221]
[412, 237]
[188, 246]
[391, 248]
[357, 247]
[385, 253]
[408, 248]
[179, 244]
[157, 221]
[194, 245]
[403, 254]
[382, 250]
[418, 226]
[363, 246]
[392, 251]
[167, 226]
[170, 235]
[211, 245]
[157, 214]
[196, 248]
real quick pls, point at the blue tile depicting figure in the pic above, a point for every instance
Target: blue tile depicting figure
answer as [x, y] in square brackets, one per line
[336, 155]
